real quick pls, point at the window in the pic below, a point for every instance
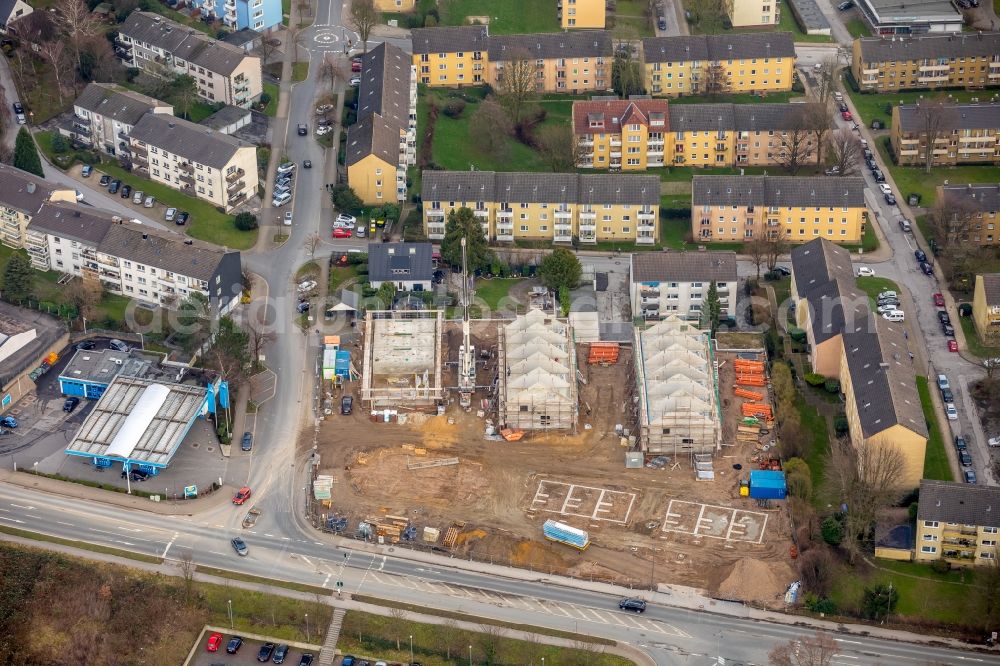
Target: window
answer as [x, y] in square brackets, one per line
[989, 530]
[928, 549]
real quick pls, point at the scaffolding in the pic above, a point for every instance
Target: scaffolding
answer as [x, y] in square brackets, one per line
[677, 389]
[537, 373]
[402, 359]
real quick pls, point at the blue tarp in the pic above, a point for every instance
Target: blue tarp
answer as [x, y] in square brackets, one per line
[767, 484]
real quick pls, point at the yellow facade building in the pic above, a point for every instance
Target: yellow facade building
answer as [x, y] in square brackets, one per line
[957, 522]
[550, 207]
[740, 63]
[986, 308]
[976, 209]
[752, 13]
[618, 134]
[580, 14]
[451, 57]
[964, 134]
[21, 197]
[395, 5]
[796, 208]
[928, 62]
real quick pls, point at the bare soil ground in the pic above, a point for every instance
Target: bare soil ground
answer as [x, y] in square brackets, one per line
[504, 491]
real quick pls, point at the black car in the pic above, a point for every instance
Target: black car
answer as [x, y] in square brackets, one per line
[919, 254]
[303, 130]
[265, 652]
[70, 404]
[307, 164]
[438, 276]
[890, 199]
[844, 6]
[970, 476]
[948, 330]
[943, 317]
[105, 179]
[182, 218]
[783, 270]
[872, 164]
[306, 659]
[842, 106]
[247, 442]
[18, 108]
[240, 546]
[869, 155]
[280, 653]
[637, 605]
[346, 405]
[879, 176]
[960, 444]
[113, 188]
[126, 191]
[235, 643]
[947, 395]
[965, 458]
[926, 268]
[86, 344]
[302, 307]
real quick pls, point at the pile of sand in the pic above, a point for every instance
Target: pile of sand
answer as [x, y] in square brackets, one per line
[753, 581]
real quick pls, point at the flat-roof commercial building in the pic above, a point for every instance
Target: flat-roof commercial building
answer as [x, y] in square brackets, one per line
[964, 134]
[139, 423]
[28, 338]
[89, 373]
[897, 17]
[927, 62]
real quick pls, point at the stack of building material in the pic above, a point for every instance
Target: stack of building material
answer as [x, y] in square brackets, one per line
[321, 488]
[390, 527]
[751, 395]
[565, 534]
[747, 434]
[757, 409]
[605, 353]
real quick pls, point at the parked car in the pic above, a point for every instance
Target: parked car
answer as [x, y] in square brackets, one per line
[632, 604]
[833, 171]
[247, 442]
[355, 66]
[920, 256]
[943, 317]
[323, 130]
[951, 412]
[8, 422]
[842, 106]
[942, 382]
[838, 96]
[265, 652]
[882, 309]
[118, 345]
[149, 202]
[307, 164]
[888, 301]
[171, 214]
[844, 6]
[280, 653]
[115, 185]
[340, 232]
[948, 330]
[280, 200]
[938, 300]
[105, 180]
[947, 395]
[242, 495]
[214, 641]
[965, 458]
[894, 315]
[302, 307]
[846, 115]
[926, 268]
[864, 271]
[952, 346]
[286, 167]
[137, 197]
[287, 218]
[86, 344]
[890, 199]
[235, 643]
[182, 218]
[306, 660]
[889, 293]
[19, 114]
[904, 226]
[970, 476]
[360, 232]
[878, 175]
[868, 154]
[346, 405]
[306, 286]
[355, 81]
[70, 404]
[960, 444]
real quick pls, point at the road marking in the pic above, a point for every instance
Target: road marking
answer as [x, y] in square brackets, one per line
[127, 529]
[306, 560]
[215, 552]
[327, 579]
[12, 520]
[19, 506]
[59, 522]
[269, 536]
[169, 544]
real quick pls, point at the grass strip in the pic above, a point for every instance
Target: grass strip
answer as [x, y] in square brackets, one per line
[463, 617]
[83, 545]
[248, 578]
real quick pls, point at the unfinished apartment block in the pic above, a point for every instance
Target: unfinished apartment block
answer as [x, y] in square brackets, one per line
[537, 389]
[402, 363]
[677, 386]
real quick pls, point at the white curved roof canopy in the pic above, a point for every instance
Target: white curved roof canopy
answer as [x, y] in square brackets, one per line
[138, 421]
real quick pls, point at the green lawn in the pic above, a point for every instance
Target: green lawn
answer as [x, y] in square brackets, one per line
[705, 23]
[857, 28]
[630, 18]
[871, 106]
[273, 92]
[286, 10]
[507, 17]
[936, 464]
[873, 286]
[737, 98]
[494, 290]
[206, 222]
[817, 446]
[915, 180]
[300, 70]
[973, 343]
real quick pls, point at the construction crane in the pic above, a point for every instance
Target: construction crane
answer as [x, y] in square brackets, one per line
[466, 353]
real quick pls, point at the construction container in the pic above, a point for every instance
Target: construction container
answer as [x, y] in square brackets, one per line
[768, 484]
[565, 534]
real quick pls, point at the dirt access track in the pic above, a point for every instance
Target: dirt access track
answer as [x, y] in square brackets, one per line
[644, 524]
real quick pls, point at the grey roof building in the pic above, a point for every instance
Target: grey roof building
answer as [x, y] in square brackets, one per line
[961, 503]
[183, 42]
[449, 39]
[904, 49]
[408, 264]
[385, 85]
[952, 118]
[21, 196]
[113, 102]
[82, 224]
[715, 48]
[684, 267]
[162, 249]
[777, 191]
[983, 198]
[521, 187]
[228, 119]
[373, 135]
[186, 139]
[545, 46]
[889, 17]
[743, 117]
[817, 263]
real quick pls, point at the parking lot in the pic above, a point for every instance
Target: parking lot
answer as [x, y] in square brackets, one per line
[246, 656]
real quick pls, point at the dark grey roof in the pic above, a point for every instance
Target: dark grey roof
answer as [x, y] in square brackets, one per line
[385, 85]
[372, 135]
[701, 117]
[161, 249]
[102, 365]
[984, 198]
[189, 140]
[385, 260]
[944, 46]
[991, 287]
[767, 117]
[183, 42]
[224, 117]
[952, 117]
[739, 117]
[962, 503]
[449, 39]
[809, 191]
[882, 378]
[16, 190]
[547, 45]
[80, 223]
[739, 46]
[116, 103]
[819, 262]
[242, 37]
[523, 187]
[835, 307]
[684, 267]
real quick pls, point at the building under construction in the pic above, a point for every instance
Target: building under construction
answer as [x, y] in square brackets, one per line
[677, 385]
[403, 359]
[537, 383]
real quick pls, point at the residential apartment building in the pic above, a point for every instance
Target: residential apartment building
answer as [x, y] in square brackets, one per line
[948, 61]
[223, 72]
[976, 209]
[104, 115]
[259, 15]
[753, 13]
[12, 11]
[986, 308]
[553, 207]
[677, 283]
[195, 160]
[964, 134]
[138, 261]
[957, 522]
[868, 355]
[581, 14]
[629, 135]
[796, 208]
[22, 194]
[395, 5]
[382, 143]
[740, 63]
[572, 62]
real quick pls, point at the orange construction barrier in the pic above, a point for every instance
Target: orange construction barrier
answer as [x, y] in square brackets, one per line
[603, 352]
[752, 395]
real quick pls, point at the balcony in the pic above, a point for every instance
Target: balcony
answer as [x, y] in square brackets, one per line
[232, 187]
[933, 79]
[505, 215]
[435, 213]
[934, 68]
[481, 214]
[235, 175]
[646, 215]
[616, 142]
[563, 215]
[587, 215]
[870, 72]
[236, 198]
[588, 237]
[435, 231]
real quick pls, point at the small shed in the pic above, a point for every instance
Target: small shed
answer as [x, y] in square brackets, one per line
[228, 119]
[104, 12]
[768, 484]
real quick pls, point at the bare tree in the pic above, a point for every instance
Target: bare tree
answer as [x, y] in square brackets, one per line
[489, 127]
[626, 70]
[75, 20]
[187, 566]
[559, 147]
[816, 118]
[83, 294]
[364, 16]
[816, 568]
[449, 634]
[327, 72]
[846, 150]
[950, 221]
[817, 650]
[796, 146]
[716, 80]
[312, 243]
[826, 77]
[267, 49]
[934, 118]
[515, 83]
[757, 249]
[776, 246]
[867, 479]
[55, 52]
[489, 642]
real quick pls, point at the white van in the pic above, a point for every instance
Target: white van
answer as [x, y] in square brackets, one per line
[893, 315]
[281, 199]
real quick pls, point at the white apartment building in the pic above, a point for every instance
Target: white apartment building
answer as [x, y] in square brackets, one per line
[21, 196]
[104, 115]
[677, 283]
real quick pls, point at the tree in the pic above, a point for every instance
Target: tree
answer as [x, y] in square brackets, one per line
[558, 146]
[816, 119]
[933, 117]
[77, 22]
[846, 150]
[776, 246]
[386, 295]
[515, 83]
[187, 566]
[816, 650]
[192, 321]
[311, 243]
[796, 146]
[364, 16]
[757, 249]
[716, 80]
[826, 78]
[26, 154]
[988, 594]
[489, 128]
[798, 478]
[561, 268]
[461, 223]
[713, 307]
[55, 52]
[879, 601]
[184, 89]
[345, 200]
[18, 278]
[327, 72]
[83, 294]
[489, 637]
[260, 337]
[245, 221]
[832, 530]
[231, 350]
[267, 49]
[626, 71]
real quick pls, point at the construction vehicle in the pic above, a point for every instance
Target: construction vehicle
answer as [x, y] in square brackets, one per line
[466, 353]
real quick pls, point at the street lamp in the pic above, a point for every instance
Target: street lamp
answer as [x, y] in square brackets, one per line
[307, 628]
[470, 655]
[411, 649]
[230, 603]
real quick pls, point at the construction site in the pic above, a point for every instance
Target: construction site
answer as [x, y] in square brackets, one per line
[463, 466]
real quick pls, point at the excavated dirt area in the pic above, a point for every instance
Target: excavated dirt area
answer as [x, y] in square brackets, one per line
[644, 524]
